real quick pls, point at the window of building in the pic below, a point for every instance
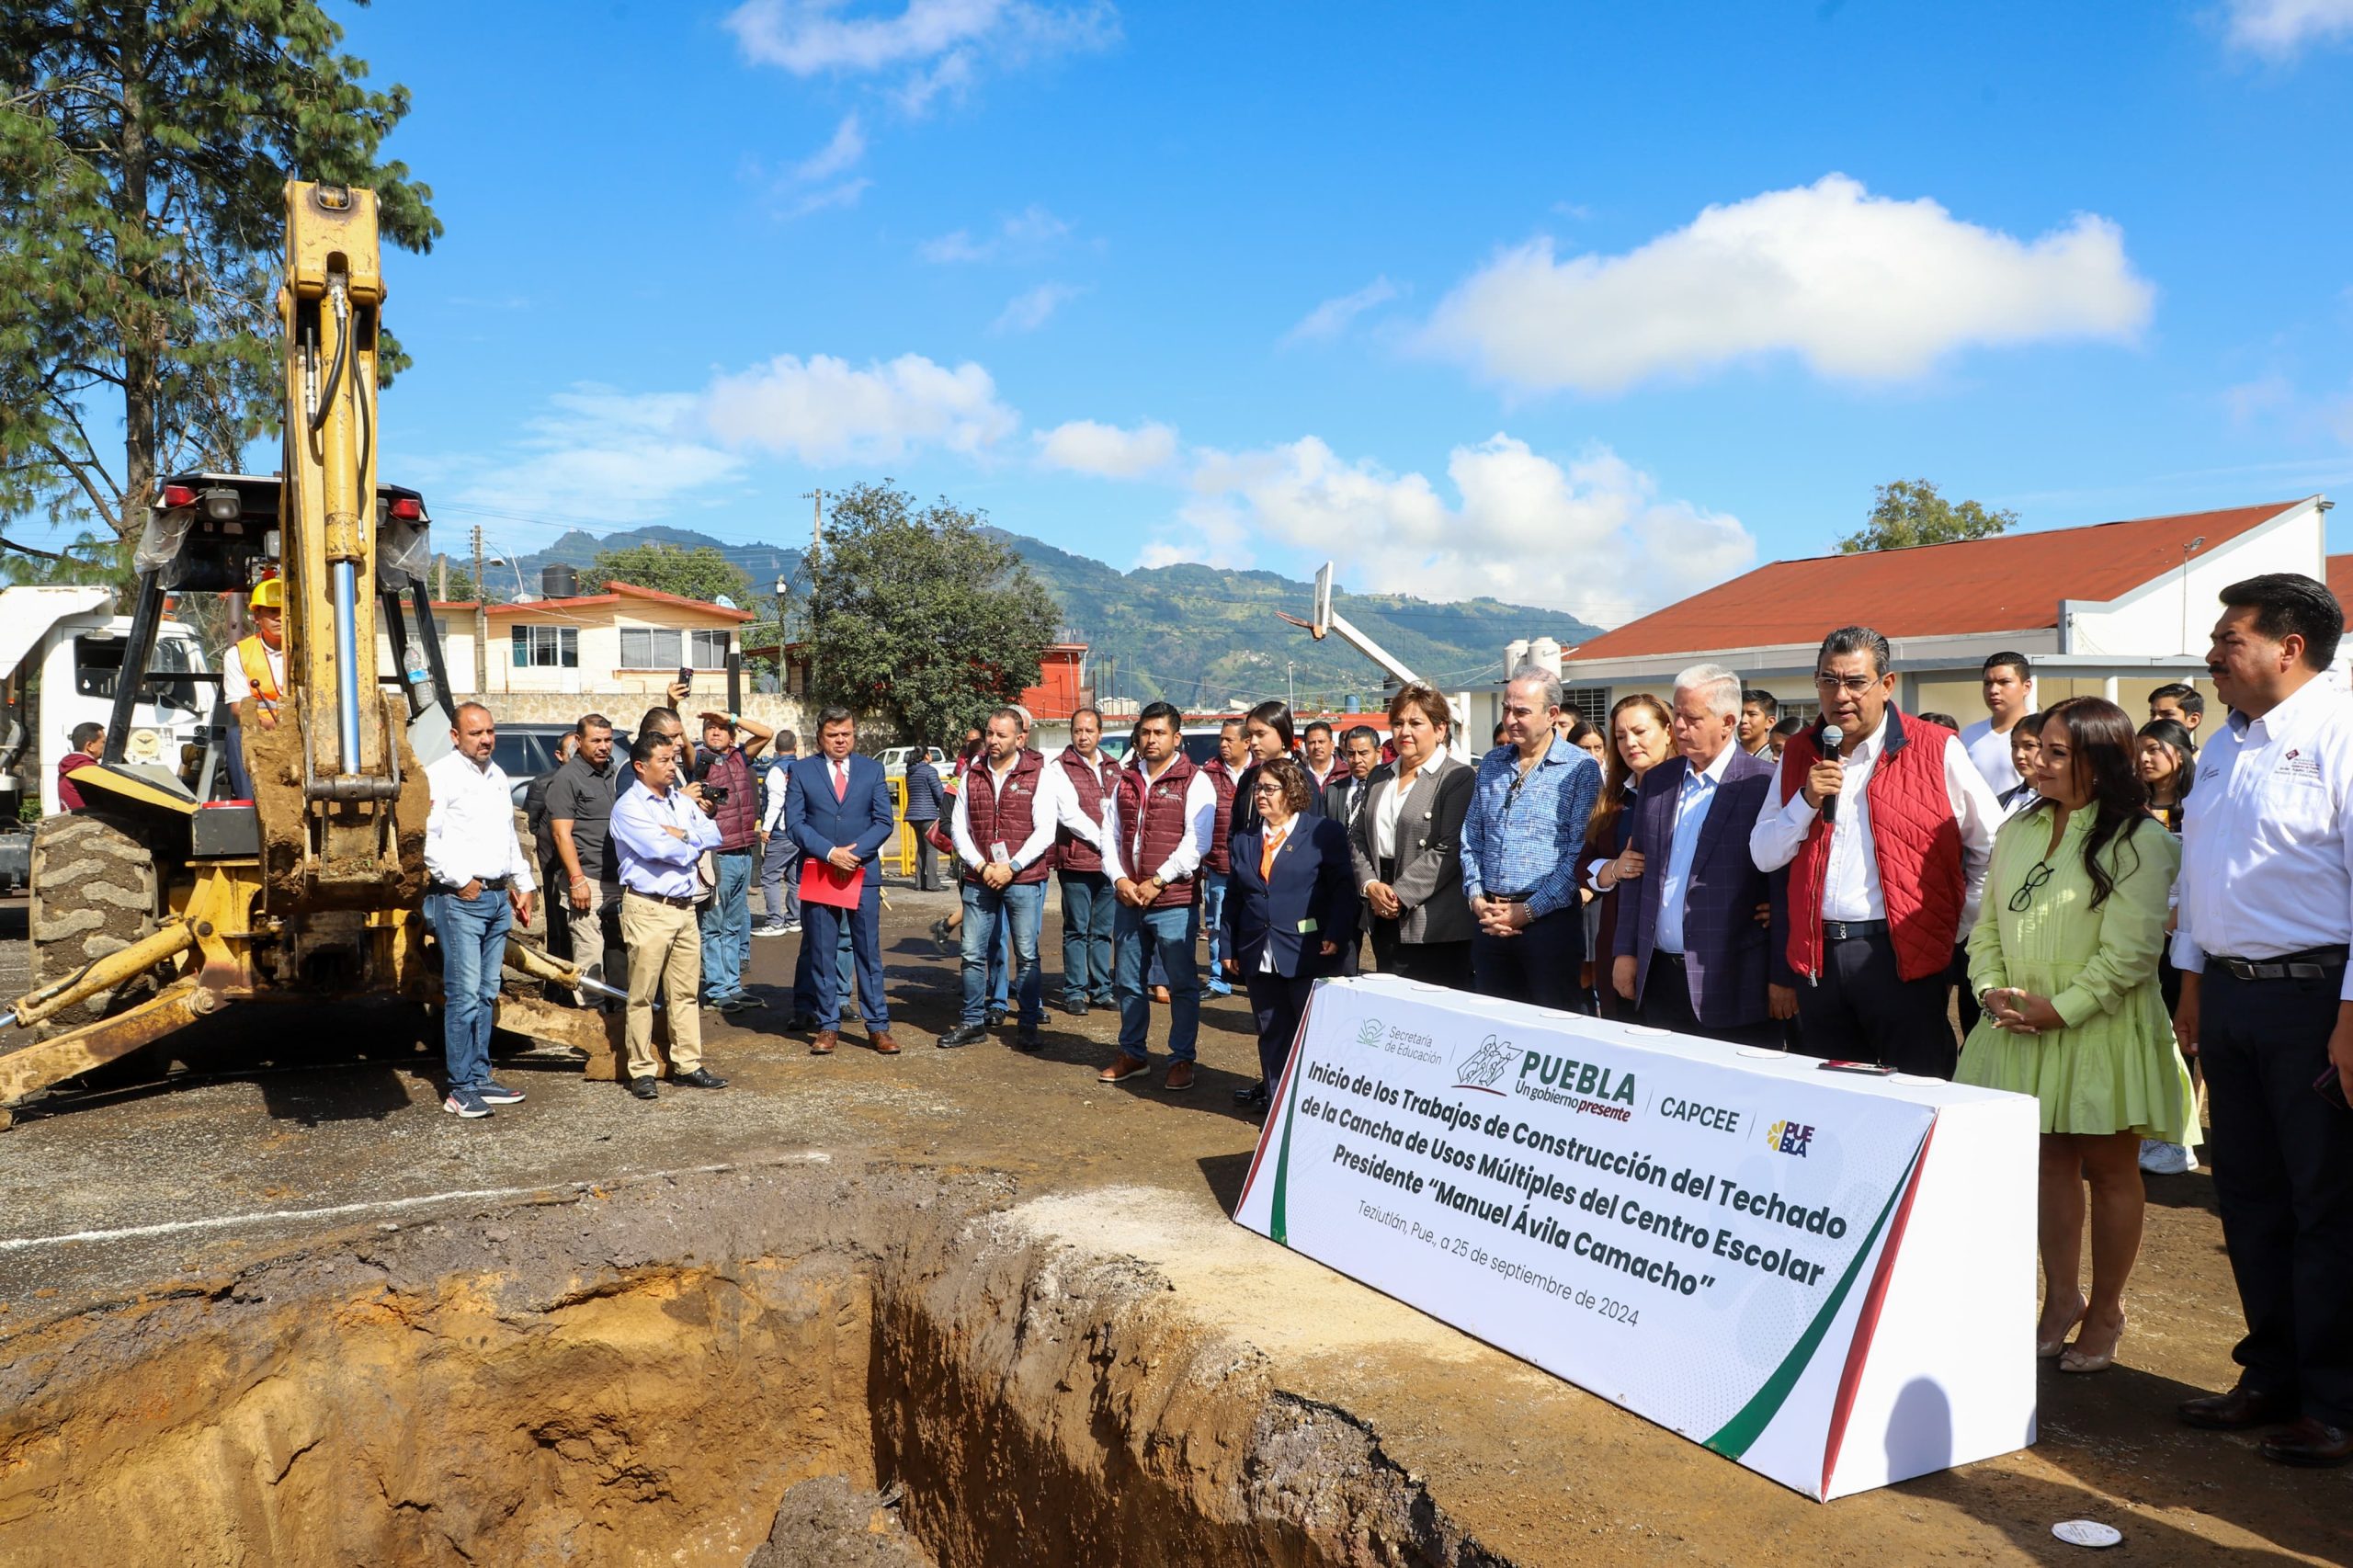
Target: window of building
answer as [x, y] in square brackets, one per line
[547, 647]
[1588, 703]
[651, 648]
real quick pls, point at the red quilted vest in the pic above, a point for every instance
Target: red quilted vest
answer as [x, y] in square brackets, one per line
[1220, 857]
[1914, 836]
[1152, 824]
[1005, 816]
[1072, 853]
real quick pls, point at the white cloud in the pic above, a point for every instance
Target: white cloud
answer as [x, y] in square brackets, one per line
[1856, 285]
[2280, 28]
[824, 410]
[841, 153]
[1590, 536]
[1032, 308]
[2248, 400]
[846, 194]
[1028, 233]
[1332, 317]
[603, 456]
[1086, 446]
[939, 46]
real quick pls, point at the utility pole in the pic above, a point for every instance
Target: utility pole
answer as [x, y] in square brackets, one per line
[481, 624]
[441, 560]
[1291, 693]
[816, 499]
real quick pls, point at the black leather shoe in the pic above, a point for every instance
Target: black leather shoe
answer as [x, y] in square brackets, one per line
[962, 1034]
[2312, 1443]
[1075, 1009]
[2237, 1411]
[644, 1088]
[997, 1017]
[1254, 1095]
[800, 1023]
[1028, 1039]
[702, 1078]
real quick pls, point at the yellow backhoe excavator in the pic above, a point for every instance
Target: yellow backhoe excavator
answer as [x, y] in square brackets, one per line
[174, 895]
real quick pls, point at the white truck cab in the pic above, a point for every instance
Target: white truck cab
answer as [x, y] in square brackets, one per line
[62, 650]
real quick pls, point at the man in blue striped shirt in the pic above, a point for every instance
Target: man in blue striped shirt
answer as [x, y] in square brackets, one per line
[1519, 851]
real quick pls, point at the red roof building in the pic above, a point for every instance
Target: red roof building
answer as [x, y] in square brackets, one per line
[2113, 610]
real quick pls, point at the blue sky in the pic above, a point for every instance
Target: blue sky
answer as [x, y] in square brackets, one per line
[1584, 305]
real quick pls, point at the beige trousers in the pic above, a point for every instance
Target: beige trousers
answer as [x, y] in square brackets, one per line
[666, 955]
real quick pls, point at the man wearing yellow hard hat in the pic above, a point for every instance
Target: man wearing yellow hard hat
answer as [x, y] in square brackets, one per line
[256, 667]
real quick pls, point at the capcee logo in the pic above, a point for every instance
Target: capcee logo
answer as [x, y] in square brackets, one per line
[1789, 1137]
[1481, 1067]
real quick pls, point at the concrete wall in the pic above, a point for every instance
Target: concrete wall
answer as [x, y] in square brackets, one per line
[2173, 612]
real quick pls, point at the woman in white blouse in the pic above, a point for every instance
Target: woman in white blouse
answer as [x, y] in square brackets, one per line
[1404, 845]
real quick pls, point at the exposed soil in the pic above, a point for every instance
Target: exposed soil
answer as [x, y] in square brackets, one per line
[288, 1312]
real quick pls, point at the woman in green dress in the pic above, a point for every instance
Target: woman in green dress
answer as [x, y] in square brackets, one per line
[2064, 958]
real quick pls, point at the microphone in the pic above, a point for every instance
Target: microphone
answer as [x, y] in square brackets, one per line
[1830, 739]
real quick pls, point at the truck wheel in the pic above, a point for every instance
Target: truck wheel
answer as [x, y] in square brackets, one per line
[94, 892]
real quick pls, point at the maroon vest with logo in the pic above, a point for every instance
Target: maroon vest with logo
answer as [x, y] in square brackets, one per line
[1072, 853]
[1220, 857]
[1005, 815]
[1914, 836]
[1152, 824]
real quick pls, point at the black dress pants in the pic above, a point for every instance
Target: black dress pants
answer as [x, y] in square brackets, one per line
[1666, 1004]
[1863, 1010]
[1278, 1001]
[1431, 963]
[1539, 964]
[2283, 1179]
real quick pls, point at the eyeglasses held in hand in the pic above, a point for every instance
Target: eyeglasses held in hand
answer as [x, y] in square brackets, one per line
[2020, 899]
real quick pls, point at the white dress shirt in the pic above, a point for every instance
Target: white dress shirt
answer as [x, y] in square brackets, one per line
[2267, 839]
[1851, 887]
[1055, 805]
[1389, 808]
[1200, 821]
[469, 832]
[1991, 752]
[1692, 803]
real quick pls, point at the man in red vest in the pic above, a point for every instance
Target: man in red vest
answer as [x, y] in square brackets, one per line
[1007, 813]
[1089, 912]
[1224, 772]
[1156, 832]
[1887, 831]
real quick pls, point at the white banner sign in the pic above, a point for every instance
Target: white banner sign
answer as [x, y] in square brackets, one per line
[1828, 1277]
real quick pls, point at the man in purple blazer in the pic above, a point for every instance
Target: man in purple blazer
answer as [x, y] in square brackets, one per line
[1697, 952]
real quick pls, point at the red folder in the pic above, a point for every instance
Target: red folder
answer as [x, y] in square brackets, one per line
[823, 883]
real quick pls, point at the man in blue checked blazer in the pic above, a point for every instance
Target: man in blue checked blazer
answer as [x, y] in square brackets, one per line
[1697, 952]
[837, 809]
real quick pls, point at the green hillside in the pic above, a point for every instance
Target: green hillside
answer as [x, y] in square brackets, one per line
[1197, 636]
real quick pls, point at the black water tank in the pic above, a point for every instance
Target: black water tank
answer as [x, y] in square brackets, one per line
[559, 582]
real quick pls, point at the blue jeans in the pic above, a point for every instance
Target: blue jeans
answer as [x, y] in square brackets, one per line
[1019, 908]
[1089, 913]
[1140, 935]
[1213, 916]
[472, 935]
[780, 880]
[726, 923]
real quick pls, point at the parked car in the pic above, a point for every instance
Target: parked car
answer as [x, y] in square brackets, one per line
[894, 760]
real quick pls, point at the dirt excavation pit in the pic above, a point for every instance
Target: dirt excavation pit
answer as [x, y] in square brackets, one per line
[785, 1362]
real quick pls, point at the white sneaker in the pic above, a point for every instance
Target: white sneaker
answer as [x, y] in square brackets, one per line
[2167, 1159]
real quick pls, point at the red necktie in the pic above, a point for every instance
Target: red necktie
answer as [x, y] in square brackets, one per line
[841, 782]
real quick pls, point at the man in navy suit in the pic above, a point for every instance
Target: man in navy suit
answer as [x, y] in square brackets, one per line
[837, 809]
[1694, 957]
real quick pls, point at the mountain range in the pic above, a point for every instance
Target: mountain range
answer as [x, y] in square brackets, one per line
[1197, 635]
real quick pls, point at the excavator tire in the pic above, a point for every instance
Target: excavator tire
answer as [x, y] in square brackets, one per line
[94, 892]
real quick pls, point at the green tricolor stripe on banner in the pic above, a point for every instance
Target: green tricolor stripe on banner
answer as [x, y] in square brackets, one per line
[1732, 1438]
[1278, 1222]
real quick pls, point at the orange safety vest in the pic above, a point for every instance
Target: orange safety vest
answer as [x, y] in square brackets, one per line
[254, 654]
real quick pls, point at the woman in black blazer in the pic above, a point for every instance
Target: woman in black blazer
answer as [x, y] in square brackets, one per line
[1290, 910]
[1406, 846]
